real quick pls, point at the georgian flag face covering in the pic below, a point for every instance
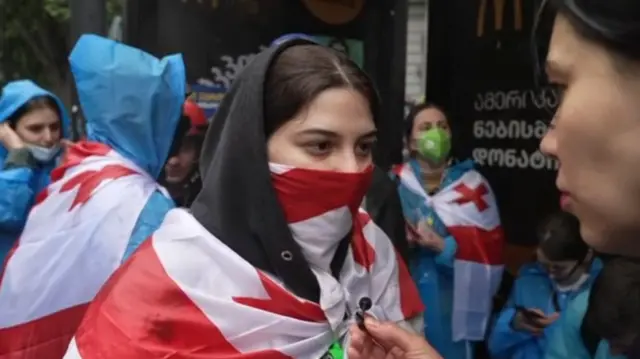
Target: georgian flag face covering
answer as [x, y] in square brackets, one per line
[302, 191]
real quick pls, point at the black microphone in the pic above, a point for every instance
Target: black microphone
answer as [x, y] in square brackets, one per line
[364, 304]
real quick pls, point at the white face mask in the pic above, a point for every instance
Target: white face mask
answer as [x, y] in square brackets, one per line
[43, 154]
[573, 286]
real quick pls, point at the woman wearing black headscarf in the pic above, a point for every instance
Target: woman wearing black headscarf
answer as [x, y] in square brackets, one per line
[274, 259]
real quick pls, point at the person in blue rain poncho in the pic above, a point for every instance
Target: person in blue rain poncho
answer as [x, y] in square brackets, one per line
[133, 102]
[33, 122]
[603, 323]
[104, 196]
[453, 223]
[566, 267]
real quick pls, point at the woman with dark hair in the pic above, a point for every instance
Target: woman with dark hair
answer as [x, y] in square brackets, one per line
[33, 121]
[565, 268]
[594, 59]
[381, 202]
[453, 222]
[273, 260]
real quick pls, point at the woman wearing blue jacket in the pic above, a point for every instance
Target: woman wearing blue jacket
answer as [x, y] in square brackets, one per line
[565, 268]
[133, 102]
[33, 122]
[602, 323]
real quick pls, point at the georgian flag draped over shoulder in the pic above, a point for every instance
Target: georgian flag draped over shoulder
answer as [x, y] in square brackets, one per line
[468, 209]
[185, 294]
[74, 238]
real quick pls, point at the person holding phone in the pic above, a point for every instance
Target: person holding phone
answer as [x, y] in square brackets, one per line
[566, 267]
[603, 323]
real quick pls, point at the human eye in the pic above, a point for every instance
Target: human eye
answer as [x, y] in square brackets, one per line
[318, 147]
[364, 149]
[36, 128]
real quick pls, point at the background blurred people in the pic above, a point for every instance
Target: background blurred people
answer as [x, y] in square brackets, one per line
[605, 322]
[33, 122]
[104, 199]
[565, 268]
[181, 176]
[453, 222]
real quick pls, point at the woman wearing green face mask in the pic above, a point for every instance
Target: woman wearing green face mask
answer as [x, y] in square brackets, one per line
[452, 220]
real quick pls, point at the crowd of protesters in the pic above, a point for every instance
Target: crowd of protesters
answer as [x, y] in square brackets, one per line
[268, 231]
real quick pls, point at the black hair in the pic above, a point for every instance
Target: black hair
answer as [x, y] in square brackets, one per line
[614, 24]
[614, 303]
[35, 103]
[414, 112]
[301, 73]
[560, 239]
[179, 136]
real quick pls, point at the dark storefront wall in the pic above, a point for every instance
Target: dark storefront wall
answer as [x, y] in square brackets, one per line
[483, 75]
[218, 38]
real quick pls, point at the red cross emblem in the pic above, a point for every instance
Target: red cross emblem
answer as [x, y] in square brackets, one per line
[89, 180]
[473, 195]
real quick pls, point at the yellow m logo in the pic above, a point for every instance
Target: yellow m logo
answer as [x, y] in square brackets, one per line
[498, 15]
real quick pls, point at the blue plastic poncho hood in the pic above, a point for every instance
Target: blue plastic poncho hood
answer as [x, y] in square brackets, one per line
[131, 100]
[17, 93]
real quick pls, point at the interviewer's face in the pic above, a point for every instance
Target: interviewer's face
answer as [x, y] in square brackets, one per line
[595, 136]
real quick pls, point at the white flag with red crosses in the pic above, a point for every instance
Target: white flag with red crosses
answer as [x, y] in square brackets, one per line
[468, 209]
[186, 294]
[75, 237]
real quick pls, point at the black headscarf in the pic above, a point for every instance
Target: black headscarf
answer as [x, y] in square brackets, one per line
[238, 203]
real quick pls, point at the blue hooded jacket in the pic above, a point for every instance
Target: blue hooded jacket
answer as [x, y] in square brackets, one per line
[532, 289]
[19, 186]
[433, 272]
[132, 102]
[566, 342]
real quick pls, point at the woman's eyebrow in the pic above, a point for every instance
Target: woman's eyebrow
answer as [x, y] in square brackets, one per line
[319, 132]
[370, 134]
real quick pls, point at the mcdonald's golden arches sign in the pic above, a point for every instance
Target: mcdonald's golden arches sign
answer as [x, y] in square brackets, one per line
[499, 7]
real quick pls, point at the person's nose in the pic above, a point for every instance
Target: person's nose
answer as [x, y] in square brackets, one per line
[172, 161]
[549, 143]
[48, 138]
[350, 163]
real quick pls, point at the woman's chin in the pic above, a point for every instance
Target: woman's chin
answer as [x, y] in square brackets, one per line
[595, 239]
